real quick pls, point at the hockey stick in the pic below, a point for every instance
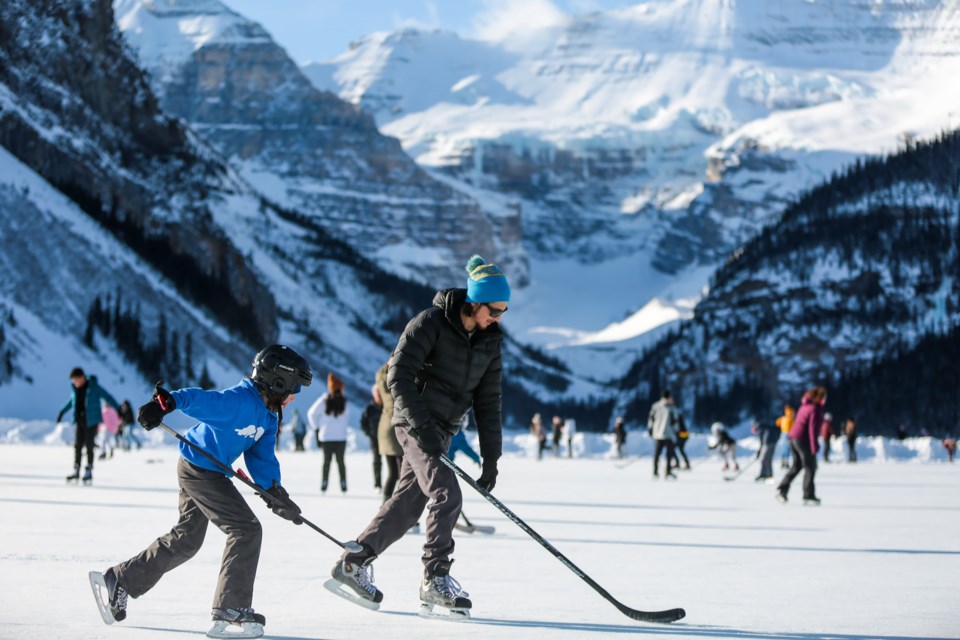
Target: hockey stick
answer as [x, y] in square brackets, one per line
[742, 469]
[476, 528]
[351, 546]
[669, 615]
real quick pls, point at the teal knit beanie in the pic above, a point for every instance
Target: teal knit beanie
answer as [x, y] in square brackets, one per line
[487, 283]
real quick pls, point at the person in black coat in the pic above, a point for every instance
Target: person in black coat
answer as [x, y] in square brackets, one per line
[369, 421]
[447, 361]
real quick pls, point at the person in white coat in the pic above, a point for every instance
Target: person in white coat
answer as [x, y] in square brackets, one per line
[328, 416]
[662, 427]
[569, 431]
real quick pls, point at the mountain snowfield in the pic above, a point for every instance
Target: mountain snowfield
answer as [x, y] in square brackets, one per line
[750, 101]
[877, 561]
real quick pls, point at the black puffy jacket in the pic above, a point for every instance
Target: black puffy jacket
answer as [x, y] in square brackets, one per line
[438, 371]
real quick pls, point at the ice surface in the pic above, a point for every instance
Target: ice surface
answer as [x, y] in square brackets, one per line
[879, 559]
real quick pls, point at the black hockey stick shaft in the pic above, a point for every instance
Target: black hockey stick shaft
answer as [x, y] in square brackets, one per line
[668, 615]
[351, 546]
[742, 469]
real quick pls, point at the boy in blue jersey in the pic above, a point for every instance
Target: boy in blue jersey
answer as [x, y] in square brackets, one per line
[242, 419]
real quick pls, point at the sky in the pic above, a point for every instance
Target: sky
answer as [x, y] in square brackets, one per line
[317, 30]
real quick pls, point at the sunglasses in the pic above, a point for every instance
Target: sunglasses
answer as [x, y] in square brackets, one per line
[494, 312]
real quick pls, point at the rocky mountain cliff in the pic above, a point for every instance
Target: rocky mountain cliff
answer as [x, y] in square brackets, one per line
[133, 248]
[307, 149]
[663, 133]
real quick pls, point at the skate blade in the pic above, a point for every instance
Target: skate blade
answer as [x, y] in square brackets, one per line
[437, 612]
[99, 587]
[224, 629]
[339, 589]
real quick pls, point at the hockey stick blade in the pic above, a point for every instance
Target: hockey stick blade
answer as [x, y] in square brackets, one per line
[666, 616]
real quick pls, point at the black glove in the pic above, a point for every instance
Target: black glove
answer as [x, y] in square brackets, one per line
[150, 415]
[488, 477]
[60, 416]
[430, 439]
[162, 396]
[283, 506]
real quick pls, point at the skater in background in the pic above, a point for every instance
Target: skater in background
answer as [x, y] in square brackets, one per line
[850, 431]
[722, 441]
[902, 432]
[458, 442]
[447, 360]
[569, 432]
[299, 429]
[803, 443]
[85, 400]
[539, 431]
[127, 426]
[556, 426]
[827, 432]
[328, 416]
[682, 436]
[785, 422]
[950, 444]
[619, 434]
[369, 423]
[109, 430]
[386, 436]
[240, 420]
[662, 427]
[769, 435]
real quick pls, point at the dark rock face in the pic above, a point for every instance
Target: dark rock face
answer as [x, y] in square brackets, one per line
[80, 113]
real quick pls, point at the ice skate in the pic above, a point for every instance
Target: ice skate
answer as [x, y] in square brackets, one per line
[353, 581]
[781, 497]
[236, 623]
[75, 476]
[812, 502]
[88, 475]
[444, 592]
[111, 597]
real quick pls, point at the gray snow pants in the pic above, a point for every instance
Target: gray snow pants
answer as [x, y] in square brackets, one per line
[423, 479]
[205, 496]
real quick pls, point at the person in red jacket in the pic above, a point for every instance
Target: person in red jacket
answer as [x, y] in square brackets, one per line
[803, 443]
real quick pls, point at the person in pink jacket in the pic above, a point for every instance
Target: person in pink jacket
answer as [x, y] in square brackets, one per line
[803, 443]
[108, 430]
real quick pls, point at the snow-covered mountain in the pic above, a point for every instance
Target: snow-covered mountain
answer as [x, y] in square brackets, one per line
[134, 249]
[660, 135]
[307, 149]
[856, 287]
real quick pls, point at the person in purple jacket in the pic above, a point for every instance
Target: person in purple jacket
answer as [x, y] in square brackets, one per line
[240, 420]
[803, 443]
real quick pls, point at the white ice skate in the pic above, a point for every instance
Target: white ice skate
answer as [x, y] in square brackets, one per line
[111, 598]
[442, 597]
[353, 581]
[236, 623]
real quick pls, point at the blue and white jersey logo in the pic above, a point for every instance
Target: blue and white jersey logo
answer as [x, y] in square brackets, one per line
[251, 431]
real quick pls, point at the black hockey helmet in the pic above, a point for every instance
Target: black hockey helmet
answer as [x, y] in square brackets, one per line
[280, 369]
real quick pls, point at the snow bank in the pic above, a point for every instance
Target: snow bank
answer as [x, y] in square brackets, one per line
[521, 444]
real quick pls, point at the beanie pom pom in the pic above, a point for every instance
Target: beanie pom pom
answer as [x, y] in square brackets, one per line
[474, 262]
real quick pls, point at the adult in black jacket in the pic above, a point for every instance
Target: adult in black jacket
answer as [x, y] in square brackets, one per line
[447, 361]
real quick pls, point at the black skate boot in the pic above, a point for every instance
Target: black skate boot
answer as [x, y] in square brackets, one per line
[88, 475]
[446, 593]
[75, 476]
[353, 581]
[241, 622]
[110, 595]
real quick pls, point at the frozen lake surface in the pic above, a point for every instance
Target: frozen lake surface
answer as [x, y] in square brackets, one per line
[879, 559]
